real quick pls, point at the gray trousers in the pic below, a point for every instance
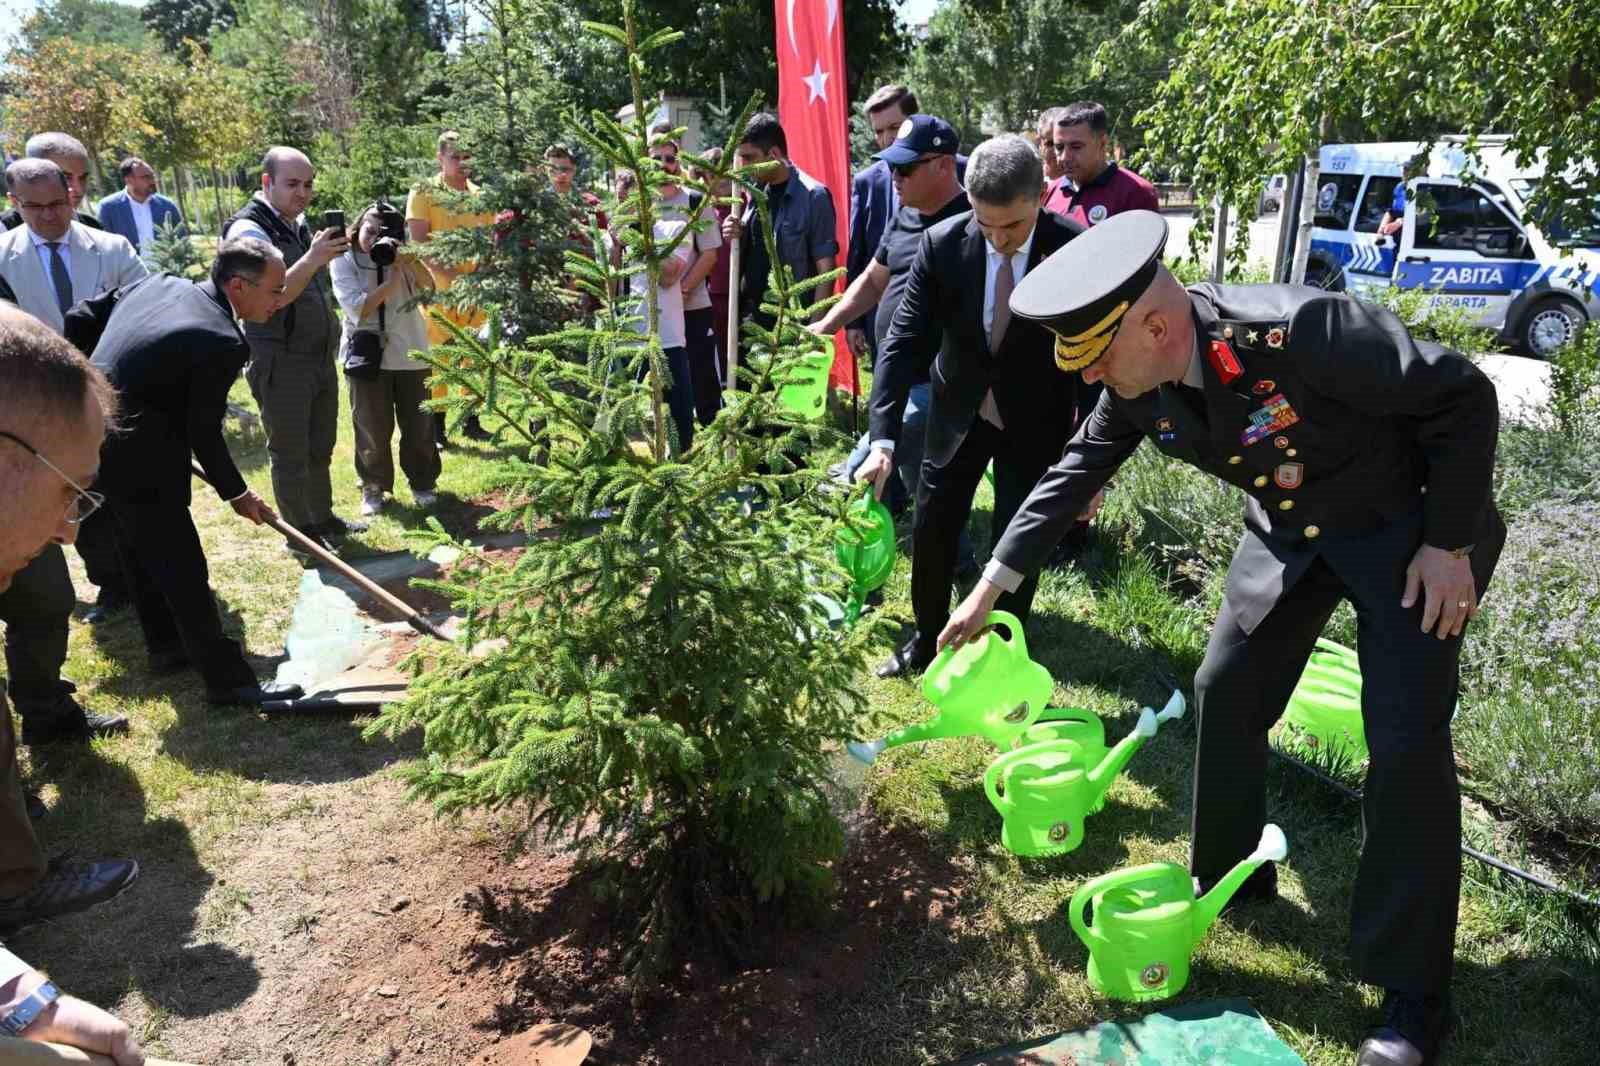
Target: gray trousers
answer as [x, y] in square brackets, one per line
[393, 399]
[298, 395]
[35, 610]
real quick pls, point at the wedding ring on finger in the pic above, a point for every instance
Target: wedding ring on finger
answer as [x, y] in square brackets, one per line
[1462, 604]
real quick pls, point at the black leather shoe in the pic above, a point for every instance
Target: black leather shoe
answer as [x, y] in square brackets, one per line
[910, 658]
[106, 604]
[68, 887]
[35, 804]
[1259, 887]
[473, 430]
[340, 527]
[80, 727]
[252, 695]
[1411, 1034]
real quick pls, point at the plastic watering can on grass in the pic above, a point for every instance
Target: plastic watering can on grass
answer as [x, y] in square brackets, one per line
[988, 688]
[868, 556]
[1045, 791]
[1325, 709]
[1147, 922]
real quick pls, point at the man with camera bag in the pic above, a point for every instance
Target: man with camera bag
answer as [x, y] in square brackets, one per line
[292, 373]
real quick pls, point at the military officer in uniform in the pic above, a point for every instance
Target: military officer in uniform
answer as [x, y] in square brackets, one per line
[1366, 458]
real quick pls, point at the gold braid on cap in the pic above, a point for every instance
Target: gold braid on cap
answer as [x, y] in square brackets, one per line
[1081, 349]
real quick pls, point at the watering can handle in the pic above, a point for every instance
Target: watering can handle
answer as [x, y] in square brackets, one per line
[1104, 883]
[991, 782]
[1013, 624]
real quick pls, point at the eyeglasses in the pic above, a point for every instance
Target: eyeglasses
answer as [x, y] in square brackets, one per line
[907, 169]
[53, 205]
[84, 504]
[668, 161]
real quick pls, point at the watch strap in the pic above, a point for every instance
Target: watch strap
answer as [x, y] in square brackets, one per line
[1463, 551]
[24, 1013]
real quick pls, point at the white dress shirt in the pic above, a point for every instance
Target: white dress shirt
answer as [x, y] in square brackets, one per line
[40, 246]
[144, 221]
[1019, 267]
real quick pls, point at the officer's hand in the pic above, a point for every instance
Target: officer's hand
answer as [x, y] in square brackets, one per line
[857, 340]
[329, 244]
[254, 508]
[971, 617]
[876, 468]
[1450, 596]
[1093, 507]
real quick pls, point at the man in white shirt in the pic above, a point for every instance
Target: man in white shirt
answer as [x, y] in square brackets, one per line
[700, 341]
[669, 314]
[138, 212]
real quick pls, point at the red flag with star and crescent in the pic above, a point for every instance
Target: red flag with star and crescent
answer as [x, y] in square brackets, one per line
[811, 109]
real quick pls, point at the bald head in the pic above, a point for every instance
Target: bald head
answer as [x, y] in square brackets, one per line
[287, 180]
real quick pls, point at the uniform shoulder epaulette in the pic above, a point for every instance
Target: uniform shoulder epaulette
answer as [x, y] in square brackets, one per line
[1267, 335]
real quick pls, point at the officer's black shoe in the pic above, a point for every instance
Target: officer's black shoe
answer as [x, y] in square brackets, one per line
[340, 527]
[35, 804]
[1411, 1034]
[67, 887]
[73, 723]
[440, 440]
[106, 604]
[252, 695]
[910, 658]
[1260, 887]
[473, 429]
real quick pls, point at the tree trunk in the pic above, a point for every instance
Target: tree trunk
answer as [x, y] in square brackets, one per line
[1308, 206]
[216, 193]
[177, 190]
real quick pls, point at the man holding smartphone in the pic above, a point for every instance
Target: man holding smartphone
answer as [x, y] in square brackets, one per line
[292, 371]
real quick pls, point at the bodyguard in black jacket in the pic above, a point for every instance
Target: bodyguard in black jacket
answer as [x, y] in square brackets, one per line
[172, 350]
[1366, 458]
[996, 392]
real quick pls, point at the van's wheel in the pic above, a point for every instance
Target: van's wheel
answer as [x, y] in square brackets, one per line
[1549, 325]
[1321, 274]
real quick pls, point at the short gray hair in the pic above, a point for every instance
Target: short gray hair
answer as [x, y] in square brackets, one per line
[1003, 170]
[242, 257]
[47, 145]
[28, 171]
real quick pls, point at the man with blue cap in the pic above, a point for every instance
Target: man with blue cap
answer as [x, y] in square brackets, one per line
[1366, 458]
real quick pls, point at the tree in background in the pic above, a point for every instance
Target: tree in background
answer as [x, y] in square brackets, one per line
[1255, 87]
[103, 22]
[83, 88]
[176, 21]
[664, 688]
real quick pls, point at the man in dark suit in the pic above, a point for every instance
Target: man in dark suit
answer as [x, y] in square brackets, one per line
[1366, 458]
[996, 393]
[172, 349]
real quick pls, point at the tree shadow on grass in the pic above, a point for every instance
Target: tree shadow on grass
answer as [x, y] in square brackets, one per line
[151, 938]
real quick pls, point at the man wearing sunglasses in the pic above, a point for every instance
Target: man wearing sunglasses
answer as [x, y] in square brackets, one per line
[53, 413]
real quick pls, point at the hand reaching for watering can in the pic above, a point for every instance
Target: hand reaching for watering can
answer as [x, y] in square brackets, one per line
[254, 508]
[972, 617]
[1450, 595]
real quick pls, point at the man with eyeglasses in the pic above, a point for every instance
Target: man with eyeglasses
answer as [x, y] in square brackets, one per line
[172, 349]
[53, 412]
[50, 263]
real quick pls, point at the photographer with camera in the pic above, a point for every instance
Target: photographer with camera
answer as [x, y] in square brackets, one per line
[376, 283]
[291, 372]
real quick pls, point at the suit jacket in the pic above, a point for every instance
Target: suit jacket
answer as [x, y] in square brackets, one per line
[172, 351]
[116, 214]
[1351, 441]
[99, 261]
[938, 330]
[872, 205]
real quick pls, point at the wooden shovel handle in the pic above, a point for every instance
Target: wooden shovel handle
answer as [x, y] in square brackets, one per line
[14, 1052]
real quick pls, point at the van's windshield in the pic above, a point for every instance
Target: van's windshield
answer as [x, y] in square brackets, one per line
[1581, 227]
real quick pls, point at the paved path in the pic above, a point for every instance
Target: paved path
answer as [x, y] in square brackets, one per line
[1523, 385]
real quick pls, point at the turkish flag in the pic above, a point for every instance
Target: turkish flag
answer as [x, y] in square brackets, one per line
[811, 109]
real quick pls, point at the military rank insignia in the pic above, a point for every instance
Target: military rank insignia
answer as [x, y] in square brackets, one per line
[1223, 361]
[1274, 414]
[1275, 337]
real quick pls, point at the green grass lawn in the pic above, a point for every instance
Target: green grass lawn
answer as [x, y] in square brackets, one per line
[186, 788]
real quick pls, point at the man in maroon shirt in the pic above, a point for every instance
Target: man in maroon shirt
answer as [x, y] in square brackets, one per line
[1100, 188]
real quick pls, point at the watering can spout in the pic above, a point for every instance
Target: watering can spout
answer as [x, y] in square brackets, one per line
[867, 751]
[1272, 848]
[1149, 722]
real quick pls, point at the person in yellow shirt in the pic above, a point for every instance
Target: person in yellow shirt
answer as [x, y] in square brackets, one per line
[426, 215]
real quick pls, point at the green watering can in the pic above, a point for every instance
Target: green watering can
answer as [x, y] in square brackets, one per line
[1325, 709]
[1080, 727]
[803, 387]
[1045, 791]
[988, 687]
[867, 555]
[1147, 922]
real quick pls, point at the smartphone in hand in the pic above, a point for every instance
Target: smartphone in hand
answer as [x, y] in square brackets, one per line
[333, 220]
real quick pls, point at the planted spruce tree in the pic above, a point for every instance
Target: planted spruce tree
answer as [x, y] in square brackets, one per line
[666, 690]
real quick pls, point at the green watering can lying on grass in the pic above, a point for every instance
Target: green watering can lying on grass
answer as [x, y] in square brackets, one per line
[866, 555]
[988, 688]
[1147, 922]
[1325, 710]
[1045, 791]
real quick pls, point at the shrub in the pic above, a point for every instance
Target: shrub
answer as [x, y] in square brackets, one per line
[665, 689]
[1442, 323]
[173, 252]
[1575, 386]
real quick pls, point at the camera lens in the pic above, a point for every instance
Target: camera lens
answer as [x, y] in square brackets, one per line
[383, 251]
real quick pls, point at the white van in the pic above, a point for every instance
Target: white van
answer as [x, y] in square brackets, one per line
[1469, 243]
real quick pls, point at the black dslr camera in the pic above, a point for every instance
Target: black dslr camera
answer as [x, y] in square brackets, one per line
[393, 221]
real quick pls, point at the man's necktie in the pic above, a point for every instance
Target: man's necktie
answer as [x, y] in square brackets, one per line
[1003, 283]
[59, 276]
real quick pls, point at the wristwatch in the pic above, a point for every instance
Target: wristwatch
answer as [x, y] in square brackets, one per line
[24, 1013]
[1463, 551]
